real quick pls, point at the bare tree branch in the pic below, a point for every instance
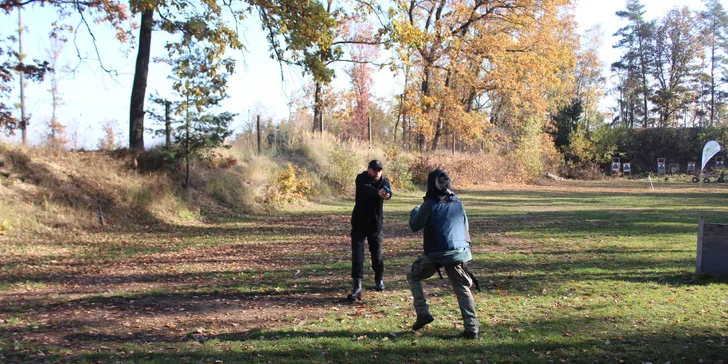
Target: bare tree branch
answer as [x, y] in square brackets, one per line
[113, 73]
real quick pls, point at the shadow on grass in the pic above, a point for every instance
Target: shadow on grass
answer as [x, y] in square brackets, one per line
[674, 196]
[559, 340]
[328, 273]
[316, 266]
[199, 295]
[618, 223]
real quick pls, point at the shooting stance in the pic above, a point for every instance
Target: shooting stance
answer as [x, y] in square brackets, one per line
[366, 223]
[446, 245]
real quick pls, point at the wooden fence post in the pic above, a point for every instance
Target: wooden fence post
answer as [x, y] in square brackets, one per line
[260, 151]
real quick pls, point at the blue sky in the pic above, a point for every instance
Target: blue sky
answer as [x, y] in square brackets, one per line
[91, 97]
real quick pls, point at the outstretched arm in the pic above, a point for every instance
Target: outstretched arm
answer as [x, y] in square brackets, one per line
[419, 216]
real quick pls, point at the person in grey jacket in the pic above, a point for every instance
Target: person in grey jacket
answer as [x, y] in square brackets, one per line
[446, 244]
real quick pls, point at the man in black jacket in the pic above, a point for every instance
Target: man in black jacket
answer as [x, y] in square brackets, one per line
[366, 223]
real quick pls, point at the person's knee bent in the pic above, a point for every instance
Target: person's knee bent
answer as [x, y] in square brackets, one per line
[411, 278]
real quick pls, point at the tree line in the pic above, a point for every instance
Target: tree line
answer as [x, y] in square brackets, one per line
[477, 74]
[673, 70]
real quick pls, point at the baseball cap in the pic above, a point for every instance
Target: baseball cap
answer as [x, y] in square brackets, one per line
[376, 164]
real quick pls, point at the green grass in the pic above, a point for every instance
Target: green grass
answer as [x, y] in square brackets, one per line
[593, 272]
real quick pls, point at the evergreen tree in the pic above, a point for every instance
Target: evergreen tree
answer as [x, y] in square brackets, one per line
[715, 33]
[635, 63]
[567, 121]
[195, 128]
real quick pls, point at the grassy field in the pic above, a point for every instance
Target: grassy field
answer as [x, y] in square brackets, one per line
[572, 273]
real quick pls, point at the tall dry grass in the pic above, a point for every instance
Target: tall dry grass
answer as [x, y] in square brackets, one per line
[333, 163]
[338, 162]
[43, 189]
[468, 169]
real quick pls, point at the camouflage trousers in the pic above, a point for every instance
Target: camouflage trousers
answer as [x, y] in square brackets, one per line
[424, 268]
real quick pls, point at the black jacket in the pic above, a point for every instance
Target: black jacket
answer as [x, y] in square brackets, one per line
[367, 215]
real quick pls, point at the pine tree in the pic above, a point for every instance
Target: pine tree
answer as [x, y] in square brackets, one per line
[715, 35]
[635, 64]
[198, 87]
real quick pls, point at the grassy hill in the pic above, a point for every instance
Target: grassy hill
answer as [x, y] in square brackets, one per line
[49, 192]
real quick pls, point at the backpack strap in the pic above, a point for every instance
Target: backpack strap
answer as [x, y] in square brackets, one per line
[467, 270]
[472, 276]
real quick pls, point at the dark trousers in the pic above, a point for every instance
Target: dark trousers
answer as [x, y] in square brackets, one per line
[357, 253]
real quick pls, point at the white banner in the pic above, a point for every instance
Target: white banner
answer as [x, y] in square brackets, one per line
[710, 149]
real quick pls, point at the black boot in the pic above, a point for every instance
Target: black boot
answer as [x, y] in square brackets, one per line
[469, 335]
[422, 321]
[378, 282]
[356, 293]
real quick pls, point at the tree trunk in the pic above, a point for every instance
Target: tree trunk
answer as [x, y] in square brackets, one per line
[402, 113]
[399, 115]
[712, 85]
[167, 125]
[187, 145]
[257, 131]
[369, 130]
[644, 98]
[139, 88]
[23, 118]
[426, 91]
[643, 68]
[452, 146]
[471, 100]
[440, 118]
[317, 113]
[404, 134]
[438, 129]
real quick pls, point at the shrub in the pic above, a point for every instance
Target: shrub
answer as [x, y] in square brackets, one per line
[342, 167]
[225, 187]
[466, 169]
[529, 153]
[398, 169]
[5, 227]
[222, 162]
[156, 159]
[421, 165]
[585, 170]
[291, 187]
